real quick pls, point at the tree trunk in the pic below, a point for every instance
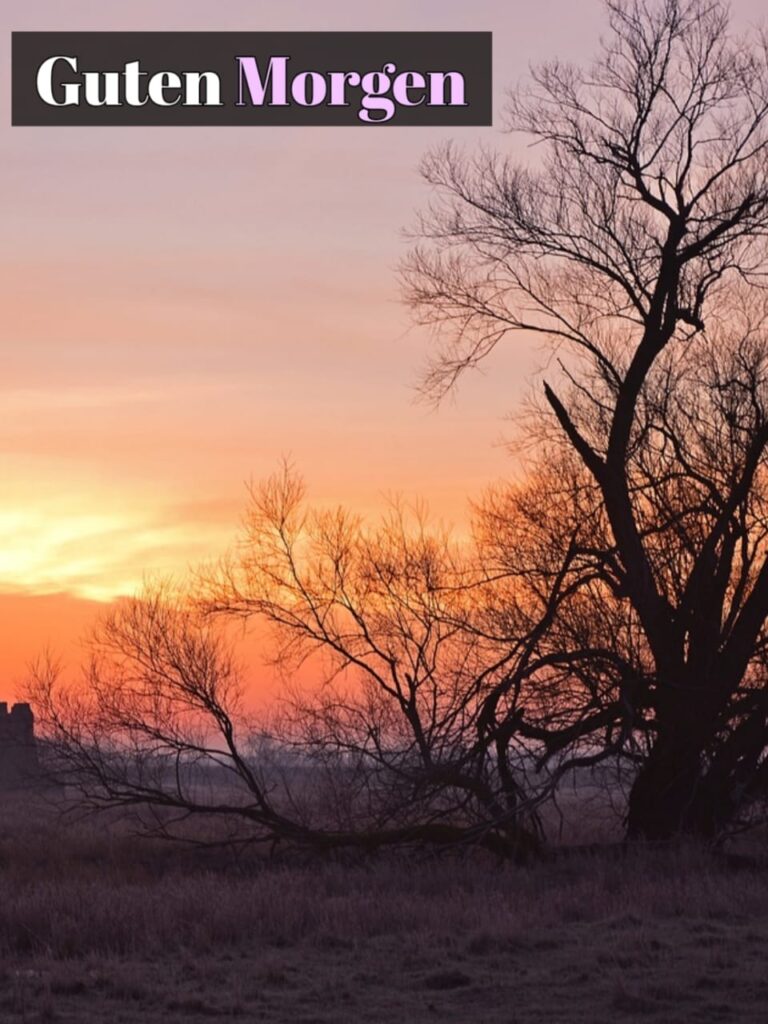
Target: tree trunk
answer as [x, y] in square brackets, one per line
[663, 796]
[690, 782]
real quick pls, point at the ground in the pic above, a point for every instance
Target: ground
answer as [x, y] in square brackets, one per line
[97, 926]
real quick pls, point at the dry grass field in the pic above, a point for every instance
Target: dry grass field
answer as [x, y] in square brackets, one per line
[98, 926]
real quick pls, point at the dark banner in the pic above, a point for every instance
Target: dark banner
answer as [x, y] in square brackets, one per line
[251, 78]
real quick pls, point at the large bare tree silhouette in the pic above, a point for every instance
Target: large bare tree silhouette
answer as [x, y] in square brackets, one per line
[635, 241]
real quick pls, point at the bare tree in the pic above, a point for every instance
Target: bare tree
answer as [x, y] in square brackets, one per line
[419, 680]
[625, 244]
[421, 724]
[157, 723]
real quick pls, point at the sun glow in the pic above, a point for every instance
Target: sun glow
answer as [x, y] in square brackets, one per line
[94, 555]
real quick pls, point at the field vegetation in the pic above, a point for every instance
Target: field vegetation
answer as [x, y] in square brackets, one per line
[97, 924]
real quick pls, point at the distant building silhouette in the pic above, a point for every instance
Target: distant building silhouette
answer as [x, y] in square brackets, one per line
[18, 752]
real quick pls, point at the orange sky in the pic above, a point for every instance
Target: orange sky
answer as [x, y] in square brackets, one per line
[182, 307]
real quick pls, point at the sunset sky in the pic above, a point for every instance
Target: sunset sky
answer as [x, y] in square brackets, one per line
[182, 307]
